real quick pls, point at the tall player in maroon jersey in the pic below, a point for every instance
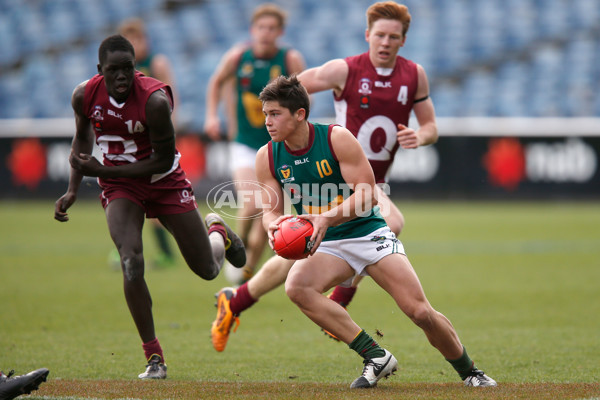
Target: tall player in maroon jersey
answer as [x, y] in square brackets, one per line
[129, 116]
[374, 94]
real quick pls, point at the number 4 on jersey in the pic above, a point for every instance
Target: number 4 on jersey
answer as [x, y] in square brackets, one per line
[138, 128]
[403, 95]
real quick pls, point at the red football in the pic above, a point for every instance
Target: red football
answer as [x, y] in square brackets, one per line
[292, 239]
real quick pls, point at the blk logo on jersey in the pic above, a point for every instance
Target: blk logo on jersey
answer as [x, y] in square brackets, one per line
[302, 161]
[383, 84]
[114, 114]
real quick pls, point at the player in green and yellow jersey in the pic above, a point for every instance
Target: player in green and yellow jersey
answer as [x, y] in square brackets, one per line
[248, 68]
[326, 169]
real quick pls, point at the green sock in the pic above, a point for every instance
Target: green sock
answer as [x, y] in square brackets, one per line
[163, 240]
[463, 365]
[365, 346]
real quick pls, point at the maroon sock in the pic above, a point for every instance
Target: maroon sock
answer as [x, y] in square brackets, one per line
[153, 347]
[343, 295]
[242, 300]
[218, 228]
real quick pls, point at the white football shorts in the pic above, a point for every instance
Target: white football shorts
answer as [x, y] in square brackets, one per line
[363, 251]
[241, 156]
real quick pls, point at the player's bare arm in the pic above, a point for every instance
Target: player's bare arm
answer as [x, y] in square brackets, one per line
[83, 143]
[163, 71]
[224, 71]
[329, 76]
[295, 62]
[271, 195]
[357, 173]
[427, 133]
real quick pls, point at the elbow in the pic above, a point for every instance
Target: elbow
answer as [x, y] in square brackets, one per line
[434, 134]
[165, 167]
[164, 164]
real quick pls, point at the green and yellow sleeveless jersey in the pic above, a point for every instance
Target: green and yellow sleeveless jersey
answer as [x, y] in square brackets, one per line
[253, 74]
[144, 65]
[313, 181]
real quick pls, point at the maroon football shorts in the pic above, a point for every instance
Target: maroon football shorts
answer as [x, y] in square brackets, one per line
[172, 194]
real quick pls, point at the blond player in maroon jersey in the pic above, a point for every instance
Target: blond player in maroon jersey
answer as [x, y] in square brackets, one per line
[374, 94]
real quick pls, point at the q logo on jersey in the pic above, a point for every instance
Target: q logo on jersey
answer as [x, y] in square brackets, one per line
[285, 172]
[98, 117]
[365, 87]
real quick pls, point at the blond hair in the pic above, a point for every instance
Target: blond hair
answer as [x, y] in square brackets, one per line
[271, 10]
[132, 26]
[389, 10]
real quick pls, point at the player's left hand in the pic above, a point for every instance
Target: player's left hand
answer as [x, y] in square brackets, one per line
[86, 164]
[407, 137]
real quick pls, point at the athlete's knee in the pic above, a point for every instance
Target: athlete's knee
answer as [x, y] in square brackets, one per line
[298, 294]
[133, 266]
[396, 223]
[422, 315]
[208, 271]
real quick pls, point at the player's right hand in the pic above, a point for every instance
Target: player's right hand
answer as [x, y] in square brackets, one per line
[407, 137]
[62, 205]
[212, 127]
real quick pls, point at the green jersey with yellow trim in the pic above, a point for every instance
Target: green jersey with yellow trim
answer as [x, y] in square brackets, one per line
[144, 65]
[312, 179]
[253, 74]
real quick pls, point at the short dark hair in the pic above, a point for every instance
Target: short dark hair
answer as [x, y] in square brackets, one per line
[114, 43]
[288, 92]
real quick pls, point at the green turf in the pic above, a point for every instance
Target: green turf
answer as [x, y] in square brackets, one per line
[519, 281]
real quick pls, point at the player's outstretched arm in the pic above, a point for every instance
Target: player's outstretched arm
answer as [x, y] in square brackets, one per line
[224, 72]
[83, 143]
[295, 62]
[329, 76]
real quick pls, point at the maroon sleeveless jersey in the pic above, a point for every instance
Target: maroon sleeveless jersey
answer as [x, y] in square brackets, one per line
[121, 131]
[372, 105]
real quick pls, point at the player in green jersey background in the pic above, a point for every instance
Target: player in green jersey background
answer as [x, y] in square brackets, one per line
[249, 67]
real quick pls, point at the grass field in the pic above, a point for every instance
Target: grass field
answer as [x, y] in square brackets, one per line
[520, 282]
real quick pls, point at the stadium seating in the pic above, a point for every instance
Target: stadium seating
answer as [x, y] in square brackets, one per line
[483, 58]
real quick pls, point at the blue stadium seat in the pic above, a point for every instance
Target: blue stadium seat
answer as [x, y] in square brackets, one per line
[517, 49]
